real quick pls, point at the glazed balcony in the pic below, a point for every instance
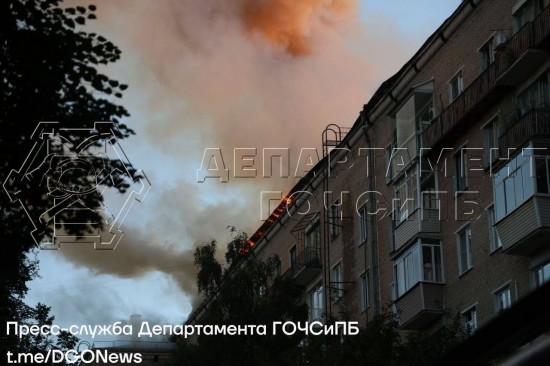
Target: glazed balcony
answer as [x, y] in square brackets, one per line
[526, 229]
[420, 305]
[524, 51]
[420, 222]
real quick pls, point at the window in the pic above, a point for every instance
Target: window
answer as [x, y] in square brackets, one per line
[526, 11]
[407, 271]
[487, 54]
[491, 133]
[503, 299]
[405, 195]
[461, 170]
[469, 320]
[292, 254]
[520, 18]
[312, 254]
[316, 307]
[362, 225]
[513, 183]
[464, 248]
[337, 287]
[537, 95]
[334, 219]
[542, 274]
[494, 239]
[431, 262]
[364, 283]
[456, 85]
[421, 263]
[427, 189]
[413, 117]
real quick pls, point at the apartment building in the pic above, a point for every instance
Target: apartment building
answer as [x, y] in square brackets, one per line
[437, 198]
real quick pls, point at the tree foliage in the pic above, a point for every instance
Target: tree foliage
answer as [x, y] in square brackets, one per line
[248, 291]
[49, 71]
[251, 291]
[381, 343]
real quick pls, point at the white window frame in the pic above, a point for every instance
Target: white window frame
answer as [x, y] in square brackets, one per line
[316, 302]
[409, 182]
[505, 290]
[470, 326]
[488, 47]
[514, 184]
[411, 264]
[336, 276]
[467, 232]
[459, 78]
[541, 272]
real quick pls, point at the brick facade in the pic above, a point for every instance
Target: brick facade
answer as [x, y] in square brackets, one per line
[453, 48]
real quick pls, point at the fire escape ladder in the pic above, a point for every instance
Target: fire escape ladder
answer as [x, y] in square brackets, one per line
[332, 136]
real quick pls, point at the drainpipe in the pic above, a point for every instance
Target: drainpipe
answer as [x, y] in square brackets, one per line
[372, 219]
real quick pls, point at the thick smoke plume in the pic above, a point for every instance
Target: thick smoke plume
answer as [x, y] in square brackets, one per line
[164, 242]
[228, 74]
[290, 24]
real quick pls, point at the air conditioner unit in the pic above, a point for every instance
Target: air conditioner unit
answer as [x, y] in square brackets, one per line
[499, 40]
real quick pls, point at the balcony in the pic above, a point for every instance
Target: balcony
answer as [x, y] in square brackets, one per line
[420, 306]
[535, 123]
[307, 266]
[420, 222]
[526, 229]
[517, 56]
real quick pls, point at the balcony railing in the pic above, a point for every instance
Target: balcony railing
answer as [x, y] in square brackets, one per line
[307, 265]
[470, 102]
[541, 27]
[535, 123]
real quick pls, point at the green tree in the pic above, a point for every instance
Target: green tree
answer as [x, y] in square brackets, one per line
[248, 291]
[381, 343]
[48, 72]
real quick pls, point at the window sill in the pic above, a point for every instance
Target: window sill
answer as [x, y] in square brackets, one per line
[493, 251]
[465, 272]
